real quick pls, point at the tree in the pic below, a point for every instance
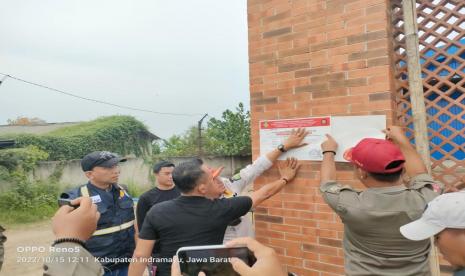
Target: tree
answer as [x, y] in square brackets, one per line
[229, 135]
[181, 145]
[25, 121]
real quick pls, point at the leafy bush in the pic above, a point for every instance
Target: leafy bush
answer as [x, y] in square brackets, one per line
[28, 201]
[120, 134]
[134, 189]
[25, 201]
[21, 158]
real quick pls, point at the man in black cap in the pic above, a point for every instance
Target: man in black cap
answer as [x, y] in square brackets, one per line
[113, 243]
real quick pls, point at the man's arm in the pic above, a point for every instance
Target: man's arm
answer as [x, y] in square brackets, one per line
[136, 233]
[292, 142]
[328, 166]
[329, 188]
[287, 171]
[267, 191]
[263, 163]
[141, 254]
[414, 165]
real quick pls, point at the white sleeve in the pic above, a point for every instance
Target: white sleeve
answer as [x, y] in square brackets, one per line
[250, 173]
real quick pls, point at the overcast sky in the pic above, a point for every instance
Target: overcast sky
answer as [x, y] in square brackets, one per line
[168, 56]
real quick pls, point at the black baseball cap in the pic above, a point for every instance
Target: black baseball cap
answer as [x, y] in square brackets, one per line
[104, 159]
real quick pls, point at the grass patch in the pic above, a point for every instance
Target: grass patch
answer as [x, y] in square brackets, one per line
[134, 189]
[28, 202]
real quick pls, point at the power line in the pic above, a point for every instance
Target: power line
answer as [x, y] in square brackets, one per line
[3, 79]
[94, 100]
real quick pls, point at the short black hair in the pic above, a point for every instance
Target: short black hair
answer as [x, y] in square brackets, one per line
[197, 159]
[162, 164]
[389, 177]
[187, 174]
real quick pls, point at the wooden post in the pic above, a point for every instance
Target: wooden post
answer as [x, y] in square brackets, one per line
[417, 100]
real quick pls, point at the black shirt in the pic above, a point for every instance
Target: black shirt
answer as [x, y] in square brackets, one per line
[190, 221]
[152, 197]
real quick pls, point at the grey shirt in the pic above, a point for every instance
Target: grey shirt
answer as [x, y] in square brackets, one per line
[373, 244]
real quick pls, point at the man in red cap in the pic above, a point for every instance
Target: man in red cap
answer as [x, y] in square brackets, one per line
[373, 244]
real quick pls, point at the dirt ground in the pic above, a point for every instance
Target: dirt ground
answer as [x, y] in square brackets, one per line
[26, 237]
[22, 238]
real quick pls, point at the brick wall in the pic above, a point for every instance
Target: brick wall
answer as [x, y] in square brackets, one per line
[312, 58]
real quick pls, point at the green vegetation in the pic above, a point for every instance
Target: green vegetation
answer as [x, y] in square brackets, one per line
[25, 200]
[134, 189]
[121, 134]
[28, 202]
[228, 136]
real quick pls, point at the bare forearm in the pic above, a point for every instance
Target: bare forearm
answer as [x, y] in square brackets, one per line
[136, 233]
[141, 254]
[137, 268]
[328, 168]
[267, 191]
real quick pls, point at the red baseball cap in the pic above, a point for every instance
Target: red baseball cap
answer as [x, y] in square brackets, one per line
[375, 155]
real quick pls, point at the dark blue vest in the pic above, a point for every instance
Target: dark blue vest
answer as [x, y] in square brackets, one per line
[116, 209]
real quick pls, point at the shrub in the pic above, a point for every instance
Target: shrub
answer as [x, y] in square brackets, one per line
[121, 134]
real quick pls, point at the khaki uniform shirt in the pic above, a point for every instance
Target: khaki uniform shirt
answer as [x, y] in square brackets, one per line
[76, 262]
[373, 244]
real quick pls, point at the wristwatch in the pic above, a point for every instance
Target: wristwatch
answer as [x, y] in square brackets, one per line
[281, 148]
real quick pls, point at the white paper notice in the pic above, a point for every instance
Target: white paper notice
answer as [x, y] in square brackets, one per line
[274, 132]
[347, 130]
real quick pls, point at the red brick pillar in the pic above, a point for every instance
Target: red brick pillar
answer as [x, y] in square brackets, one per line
[312, 58]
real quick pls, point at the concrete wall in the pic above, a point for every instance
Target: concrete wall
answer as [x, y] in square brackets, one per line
[134, 171]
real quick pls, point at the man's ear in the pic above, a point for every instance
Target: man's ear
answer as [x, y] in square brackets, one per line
[202, 188]
[89, 175]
